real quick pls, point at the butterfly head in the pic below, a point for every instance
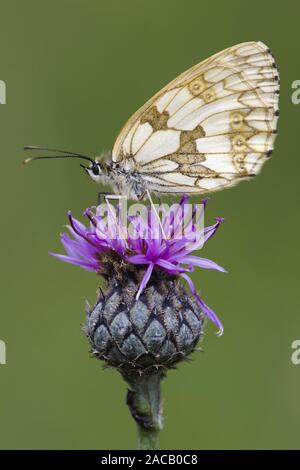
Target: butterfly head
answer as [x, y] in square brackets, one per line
[99, 168]
[96, 168]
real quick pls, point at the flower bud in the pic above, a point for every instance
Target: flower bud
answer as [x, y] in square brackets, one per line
[154, 332]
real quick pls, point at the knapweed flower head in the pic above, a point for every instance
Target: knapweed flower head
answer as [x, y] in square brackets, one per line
[144, 320]
[152, 243]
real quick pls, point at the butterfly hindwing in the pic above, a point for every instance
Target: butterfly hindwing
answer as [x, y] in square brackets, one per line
[210, 128]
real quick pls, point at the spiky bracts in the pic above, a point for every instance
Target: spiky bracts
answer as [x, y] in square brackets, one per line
[146, 335]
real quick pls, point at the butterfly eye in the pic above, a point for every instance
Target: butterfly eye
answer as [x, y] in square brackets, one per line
[96, 169]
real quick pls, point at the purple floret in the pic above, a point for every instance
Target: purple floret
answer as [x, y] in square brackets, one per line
[149, 241]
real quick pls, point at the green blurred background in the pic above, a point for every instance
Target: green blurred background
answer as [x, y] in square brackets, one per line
[75, 71]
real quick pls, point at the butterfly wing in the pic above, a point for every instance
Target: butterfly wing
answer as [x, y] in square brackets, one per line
[210, 128]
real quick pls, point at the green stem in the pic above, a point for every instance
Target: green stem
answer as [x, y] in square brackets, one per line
[144, 402]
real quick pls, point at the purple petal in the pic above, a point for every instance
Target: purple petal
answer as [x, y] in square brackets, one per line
[204, 201]
[145, 280]
[169, 267]
[80, 229]
[184, 199]
[138, 232]
[91, 216]
[210, 231]
[206, 309]
[77, 226]
[202, 263]
[172, 220]
[75, 248]
[155, 249]
[68, 245]
[83, 264]
[137, 259]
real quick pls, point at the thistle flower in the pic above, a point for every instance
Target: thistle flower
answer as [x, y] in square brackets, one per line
[145, 321]
[92, 247]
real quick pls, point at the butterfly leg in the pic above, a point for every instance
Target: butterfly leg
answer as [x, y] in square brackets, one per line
[100, 194]
[156, 213]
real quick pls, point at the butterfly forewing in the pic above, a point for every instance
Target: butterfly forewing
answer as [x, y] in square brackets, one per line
[209, 128]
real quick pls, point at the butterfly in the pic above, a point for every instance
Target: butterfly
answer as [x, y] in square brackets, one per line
[210, 128]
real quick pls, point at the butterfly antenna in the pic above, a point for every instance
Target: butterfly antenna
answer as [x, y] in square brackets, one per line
[64, 154]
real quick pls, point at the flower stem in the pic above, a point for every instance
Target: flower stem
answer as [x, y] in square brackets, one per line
[144, 402]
